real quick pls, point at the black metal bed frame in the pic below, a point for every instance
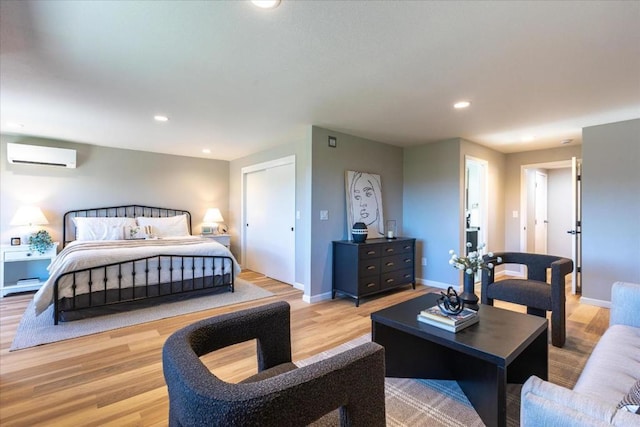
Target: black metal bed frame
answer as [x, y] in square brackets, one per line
[103, 298]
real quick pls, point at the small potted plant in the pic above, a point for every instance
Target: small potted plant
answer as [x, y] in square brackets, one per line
[40, 241]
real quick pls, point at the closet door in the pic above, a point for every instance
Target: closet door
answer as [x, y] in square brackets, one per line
[270, 222]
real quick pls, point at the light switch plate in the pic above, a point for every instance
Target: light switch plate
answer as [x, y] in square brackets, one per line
[324, 215]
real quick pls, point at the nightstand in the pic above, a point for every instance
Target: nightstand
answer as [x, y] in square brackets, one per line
[22, 269]
[223, 239]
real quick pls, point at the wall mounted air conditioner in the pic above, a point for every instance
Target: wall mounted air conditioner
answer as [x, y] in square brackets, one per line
[37, 155]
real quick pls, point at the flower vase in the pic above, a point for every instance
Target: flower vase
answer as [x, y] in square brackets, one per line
[468, 295]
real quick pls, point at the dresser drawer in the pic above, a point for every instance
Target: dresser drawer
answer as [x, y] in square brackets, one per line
[369, 267]
[395, 278]
[369, 251]
[396, 262]
[395, 248]
[368, 284]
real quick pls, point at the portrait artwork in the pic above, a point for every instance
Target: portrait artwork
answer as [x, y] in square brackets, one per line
[364, 202]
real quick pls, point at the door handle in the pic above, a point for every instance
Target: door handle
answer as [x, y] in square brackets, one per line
[573, 231]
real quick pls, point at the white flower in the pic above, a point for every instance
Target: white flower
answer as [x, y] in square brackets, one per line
[469, 244]
[473, 262]
[490, 265]
[451, 261]
[499, 259]
[469, 271]
[452, 252]
[490, 254]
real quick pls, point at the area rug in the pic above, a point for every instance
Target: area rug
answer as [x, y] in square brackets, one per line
[434, 403]
[33, 331]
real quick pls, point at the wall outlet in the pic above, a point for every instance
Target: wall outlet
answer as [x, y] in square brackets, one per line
[324, 215]
[424, 261]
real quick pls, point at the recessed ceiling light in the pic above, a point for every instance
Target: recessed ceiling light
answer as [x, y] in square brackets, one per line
[528, 138]
[161, 118]
[14, 125]
[266, 4]
[461, 104]
[206, 151]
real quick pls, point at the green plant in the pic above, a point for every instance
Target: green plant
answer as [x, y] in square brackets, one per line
[40, 241]
[473, 261]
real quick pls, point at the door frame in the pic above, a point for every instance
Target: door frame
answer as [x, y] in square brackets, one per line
[243, 176]
[483, 235]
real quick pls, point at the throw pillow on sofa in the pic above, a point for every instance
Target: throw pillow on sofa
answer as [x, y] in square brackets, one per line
[631, 402]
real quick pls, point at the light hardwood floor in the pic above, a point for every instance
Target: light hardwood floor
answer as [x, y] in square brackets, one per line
[115, 378]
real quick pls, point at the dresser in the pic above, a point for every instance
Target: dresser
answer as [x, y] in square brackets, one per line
[377, 265]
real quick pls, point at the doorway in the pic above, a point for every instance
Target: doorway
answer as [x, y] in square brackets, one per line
[476, 202]
[548, 223]
[268, 241]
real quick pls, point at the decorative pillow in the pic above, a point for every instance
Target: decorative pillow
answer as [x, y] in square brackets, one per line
[631, 402]
[171, 226]
[91, 228]
[137, 232]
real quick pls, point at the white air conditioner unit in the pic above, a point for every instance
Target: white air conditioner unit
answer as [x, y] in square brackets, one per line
[37, 155]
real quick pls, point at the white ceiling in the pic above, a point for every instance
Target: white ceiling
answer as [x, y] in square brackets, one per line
[237, 79]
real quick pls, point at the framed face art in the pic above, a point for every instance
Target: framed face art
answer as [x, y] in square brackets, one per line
[364, 202]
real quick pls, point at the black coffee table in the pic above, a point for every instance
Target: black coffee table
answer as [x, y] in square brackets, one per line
[503, 347]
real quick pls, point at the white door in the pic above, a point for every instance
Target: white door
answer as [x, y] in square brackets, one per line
[256, 224]
[541, 213]
[269, 212]
[282, 222]
[576, 231]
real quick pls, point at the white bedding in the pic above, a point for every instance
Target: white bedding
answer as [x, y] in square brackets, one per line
[78, 255]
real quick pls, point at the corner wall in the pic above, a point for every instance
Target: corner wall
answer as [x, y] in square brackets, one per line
[328, 193]
[610, 207]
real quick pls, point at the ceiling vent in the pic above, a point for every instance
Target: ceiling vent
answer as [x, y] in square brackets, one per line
[38, 155]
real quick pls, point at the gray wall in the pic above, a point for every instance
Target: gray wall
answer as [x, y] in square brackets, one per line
[432, 206]
[107, 177]
[611, 207]
[514, 163]
[302, 152]
[328, 193]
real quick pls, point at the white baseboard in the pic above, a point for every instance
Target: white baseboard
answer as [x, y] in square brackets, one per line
[433, 283]
[316, 298]
[595, 302]
[299, 286]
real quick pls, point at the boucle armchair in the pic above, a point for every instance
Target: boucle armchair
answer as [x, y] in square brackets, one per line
[280, 394]
[534, 291]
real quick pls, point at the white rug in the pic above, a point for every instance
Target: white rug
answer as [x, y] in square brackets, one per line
[39, 330]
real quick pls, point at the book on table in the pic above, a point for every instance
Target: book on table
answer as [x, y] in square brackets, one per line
[437, 315]
[448, 327]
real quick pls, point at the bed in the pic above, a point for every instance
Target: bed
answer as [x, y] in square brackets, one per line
[127, 257]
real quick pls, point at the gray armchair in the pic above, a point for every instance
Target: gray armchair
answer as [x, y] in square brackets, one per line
[534, 291]
[280, 393]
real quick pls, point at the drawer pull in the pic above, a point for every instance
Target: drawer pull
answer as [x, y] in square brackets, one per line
[371, 267]
[406, 276]
[407, 247]
[370, 285]
[389, 264]
[28, 254]
[371, 253]
[389, 280]
[389, 249]
[408, 260]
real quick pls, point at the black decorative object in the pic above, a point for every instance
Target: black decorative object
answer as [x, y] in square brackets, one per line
[450, 303]
[15, 241]
[359, 232]
[468, 295]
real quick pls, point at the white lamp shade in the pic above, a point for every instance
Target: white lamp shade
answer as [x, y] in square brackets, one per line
[29, 215]
[213, 215]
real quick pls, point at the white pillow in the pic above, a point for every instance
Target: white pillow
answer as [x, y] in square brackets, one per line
[91, 228]
[171, 226]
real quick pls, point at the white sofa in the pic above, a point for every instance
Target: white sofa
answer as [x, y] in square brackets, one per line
[609, 374]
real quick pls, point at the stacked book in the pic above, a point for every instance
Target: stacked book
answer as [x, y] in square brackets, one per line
[450, 322]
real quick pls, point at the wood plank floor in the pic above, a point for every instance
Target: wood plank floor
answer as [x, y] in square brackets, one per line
[115, 377]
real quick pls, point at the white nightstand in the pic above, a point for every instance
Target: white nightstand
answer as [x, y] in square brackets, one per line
[22, 269]
[223, 239]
